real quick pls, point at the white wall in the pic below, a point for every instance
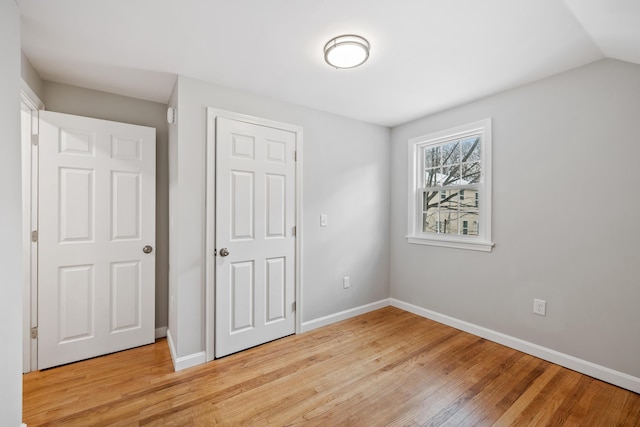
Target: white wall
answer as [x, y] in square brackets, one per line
[565, 218]
[101, 105]
[31, 76]
[346, 176]
[10, 218]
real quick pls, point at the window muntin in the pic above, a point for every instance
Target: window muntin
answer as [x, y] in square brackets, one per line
[450, 187]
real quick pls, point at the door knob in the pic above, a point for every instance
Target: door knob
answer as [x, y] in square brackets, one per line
[147, 249]
[224, 252]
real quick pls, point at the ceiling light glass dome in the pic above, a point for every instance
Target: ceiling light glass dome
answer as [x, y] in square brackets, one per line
[346, 51]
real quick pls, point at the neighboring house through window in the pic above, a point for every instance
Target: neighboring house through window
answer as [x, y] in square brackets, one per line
[450, 187]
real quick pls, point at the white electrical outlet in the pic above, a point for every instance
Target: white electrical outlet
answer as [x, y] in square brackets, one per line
[323, 220]
[539, 307]
[346, 282]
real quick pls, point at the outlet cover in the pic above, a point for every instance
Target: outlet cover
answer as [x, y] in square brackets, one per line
[539, 307]
[346, 282]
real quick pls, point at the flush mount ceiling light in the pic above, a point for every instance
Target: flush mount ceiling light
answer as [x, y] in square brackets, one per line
[347, 51]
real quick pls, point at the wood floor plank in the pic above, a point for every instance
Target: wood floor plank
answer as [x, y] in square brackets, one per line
[387, 367]
[487, 405]
[423, 401]
[374, 390]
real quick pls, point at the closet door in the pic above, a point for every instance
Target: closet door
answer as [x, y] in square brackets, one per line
[96, 266]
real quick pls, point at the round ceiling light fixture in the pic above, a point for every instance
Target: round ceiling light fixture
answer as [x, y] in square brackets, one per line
[346, 51]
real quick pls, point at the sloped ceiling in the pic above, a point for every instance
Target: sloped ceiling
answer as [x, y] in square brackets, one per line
[613, 25]
[426, 55]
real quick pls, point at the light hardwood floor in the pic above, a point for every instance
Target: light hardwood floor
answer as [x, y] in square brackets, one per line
[388, 367]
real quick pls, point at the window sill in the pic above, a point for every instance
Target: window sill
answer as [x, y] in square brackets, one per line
[451, 243]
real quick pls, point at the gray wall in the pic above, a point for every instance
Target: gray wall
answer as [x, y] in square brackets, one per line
[10, 218]
[565, 218]
[101, 105]
[346, 176]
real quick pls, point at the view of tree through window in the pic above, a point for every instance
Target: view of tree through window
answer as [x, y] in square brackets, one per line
[452, 171]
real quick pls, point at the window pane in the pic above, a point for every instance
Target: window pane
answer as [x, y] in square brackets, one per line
[431, 177]
[449, 200]
[451, 175]
[471, 149]
[448, 222]
[452, 223]
[470, 201]
[471, 172]
[451, 153]
[449, 212]
[430, 199]
[471, 218]
[431, 157]
[430, 221]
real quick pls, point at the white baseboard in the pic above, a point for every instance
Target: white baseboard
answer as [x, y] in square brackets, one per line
[603, 373]
[189, 361]
[343, 315]
[161, 332]
[172, 348]
[184, 362]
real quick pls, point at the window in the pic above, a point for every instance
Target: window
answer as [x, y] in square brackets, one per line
[450, 188]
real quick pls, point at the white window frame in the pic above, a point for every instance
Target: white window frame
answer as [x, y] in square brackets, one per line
[415, 235]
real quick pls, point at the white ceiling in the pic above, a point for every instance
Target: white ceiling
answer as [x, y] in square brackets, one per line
[426, 55]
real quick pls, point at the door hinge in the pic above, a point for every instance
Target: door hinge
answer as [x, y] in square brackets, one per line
[34, 139]
[34, 333]
[295, 156]
[293, 231]
[34, 236]
[293, 306]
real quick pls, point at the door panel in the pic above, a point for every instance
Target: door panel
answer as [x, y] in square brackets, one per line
[125, 206]
[242, 198]
[255, 216]
[76, 291]
[276, 289]
[76, 205]
[96, 288]
[242, 292]
[276, 199]
[126, 287]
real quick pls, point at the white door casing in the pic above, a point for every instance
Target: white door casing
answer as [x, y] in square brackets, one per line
[96, 288]
[27, 117]
[255, 206]
[30, 106]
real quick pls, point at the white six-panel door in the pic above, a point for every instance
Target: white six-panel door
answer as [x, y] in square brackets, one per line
[255, 241]
[96, 288]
